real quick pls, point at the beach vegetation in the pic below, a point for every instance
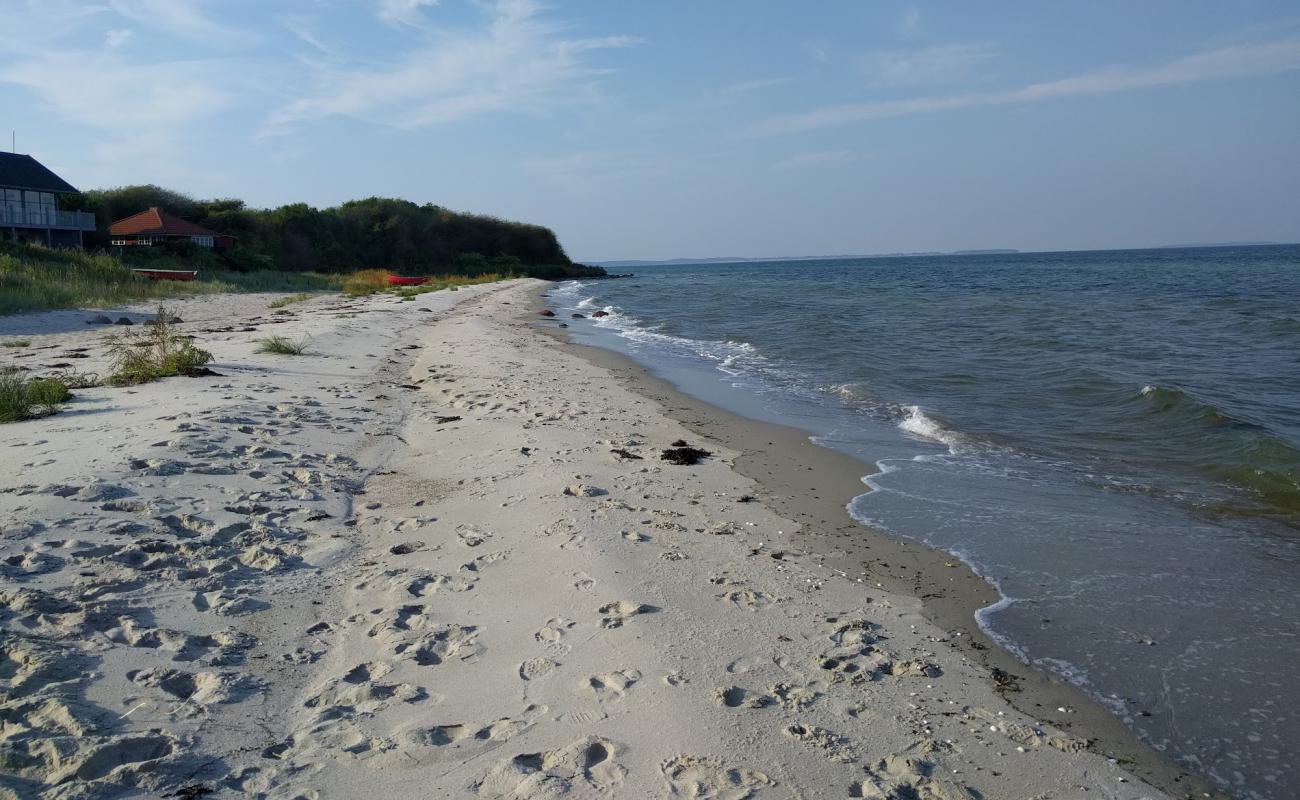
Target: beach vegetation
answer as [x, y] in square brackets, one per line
[152, 351]
[405, 237]
[28, 398]
[291, 299]
[281, 345]
[16, 343]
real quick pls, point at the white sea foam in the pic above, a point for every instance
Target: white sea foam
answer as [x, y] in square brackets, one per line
[916, 422]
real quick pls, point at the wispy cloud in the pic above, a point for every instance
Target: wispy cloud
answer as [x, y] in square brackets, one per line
[819, 158]
[1265, 58]
[517, 61]
[925, 66]
[188, 18]
[402, 12]
[592, 168]
[118, 37]
[80, 87]
[744, 87]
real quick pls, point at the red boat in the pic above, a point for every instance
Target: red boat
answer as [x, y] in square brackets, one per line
[168, 274]
[402, 280]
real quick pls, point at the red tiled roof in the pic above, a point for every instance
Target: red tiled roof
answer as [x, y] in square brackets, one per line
[154, 222]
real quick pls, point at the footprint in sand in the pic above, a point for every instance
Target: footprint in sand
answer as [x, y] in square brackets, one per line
[747, 599]
[587, 767]
[552, 635]
[534, 668]
[612, 686]
[433, 583]
[834, 745]
[583, 582]
[613, 615]
[472, 535]
[905, 776]
[502, 730]
[706, 776]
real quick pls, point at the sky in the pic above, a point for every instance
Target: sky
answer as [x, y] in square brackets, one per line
[681, 128]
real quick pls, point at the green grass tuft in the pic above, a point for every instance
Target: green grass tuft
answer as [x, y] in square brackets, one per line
[16, 343]
[281, 345]
[28, 398]
[153, 351]
[295, 298]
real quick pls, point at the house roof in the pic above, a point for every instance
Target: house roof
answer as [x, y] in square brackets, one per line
[19, 171]
[155, 222]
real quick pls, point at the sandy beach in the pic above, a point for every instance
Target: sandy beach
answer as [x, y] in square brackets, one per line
[439, 555]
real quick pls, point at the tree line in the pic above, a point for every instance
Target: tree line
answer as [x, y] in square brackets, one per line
[376, 232]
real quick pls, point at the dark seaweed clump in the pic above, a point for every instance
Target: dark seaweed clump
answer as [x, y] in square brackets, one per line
[683, 455]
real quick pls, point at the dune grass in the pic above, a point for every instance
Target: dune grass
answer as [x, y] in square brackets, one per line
[153, 351]
[34, 278]
[291, 299]
[281, 345]
[28, 398]
[16, 343]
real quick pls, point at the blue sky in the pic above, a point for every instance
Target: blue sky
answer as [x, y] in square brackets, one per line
[664, 129]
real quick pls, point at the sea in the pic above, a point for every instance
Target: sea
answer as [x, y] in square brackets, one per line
[1111, 438]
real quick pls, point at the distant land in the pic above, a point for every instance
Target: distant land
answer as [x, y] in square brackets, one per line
[994, 252]
[741, 259]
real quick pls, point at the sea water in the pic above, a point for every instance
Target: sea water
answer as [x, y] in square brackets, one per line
[1111, 438]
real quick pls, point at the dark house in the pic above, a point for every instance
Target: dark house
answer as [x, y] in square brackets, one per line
[155, 226]
[29, 205]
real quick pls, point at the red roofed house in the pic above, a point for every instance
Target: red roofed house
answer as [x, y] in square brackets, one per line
[155, 226]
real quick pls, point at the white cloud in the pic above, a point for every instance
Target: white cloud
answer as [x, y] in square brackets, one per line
[1239, 61]
[118, 37]
[820, 158]
[81, 87]
[187, 18]
[516, 62]
[402, 12]
[927, 65]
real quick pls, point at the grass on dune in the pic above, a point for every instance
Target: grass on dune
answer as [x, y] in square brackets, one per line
[281, 345]
[34, 278]
[154, 350]
[291, 299]
[28, 398]
[16, 343]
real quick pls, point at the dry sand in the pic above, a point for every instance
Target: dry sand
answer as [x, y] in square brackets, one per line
[410, 563]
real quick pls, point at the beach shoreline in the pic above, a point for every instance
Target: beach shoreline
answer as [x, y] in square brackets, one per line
[814, 485]
[440, 553]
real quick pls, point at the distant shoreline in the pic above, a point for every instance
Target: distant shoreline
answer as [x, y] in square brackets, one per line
[917, 254]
